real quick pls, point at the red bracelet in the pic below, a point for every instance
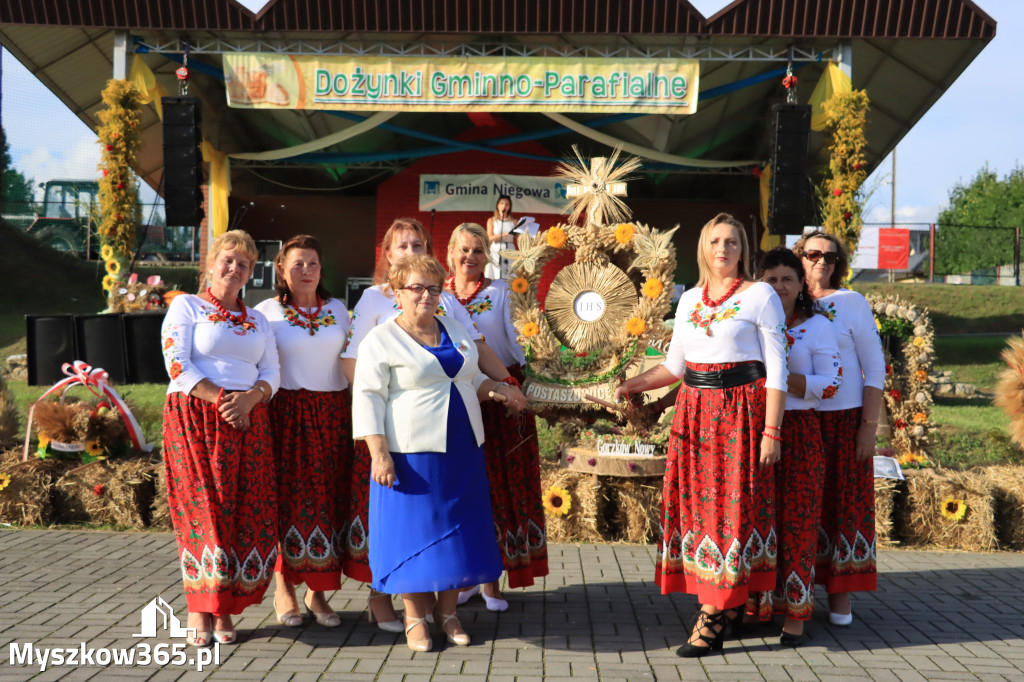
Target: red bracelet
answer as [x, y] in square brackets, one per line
[774, 428]
[772, 436]
[511, 381]
[220, 395]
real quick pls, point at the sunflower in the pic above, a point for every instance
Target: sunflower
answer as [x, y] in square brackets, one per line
[531, 329]
[108, 282]
[113, 267]
[653, 288]
[624, 233]
[635, 326]
[557, 501]
[94, 448]
[954, 509]
[520, 285]
[556, 237]
[107, 252]
[5, 480]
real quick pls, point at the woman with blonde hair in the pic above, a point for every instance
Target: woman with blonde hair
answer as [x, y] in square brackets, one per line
[846, 538]
[312, 421]
[416, 404]
[221, 475]
[729, 349]
[378, 304]
[511, 450]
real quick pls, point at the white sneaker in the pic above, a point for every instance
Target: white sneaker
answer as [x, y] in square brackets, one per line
[466, 595]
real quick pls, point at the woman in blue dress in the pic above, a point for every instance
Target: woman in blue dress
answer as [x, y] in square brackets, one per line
[416, 403]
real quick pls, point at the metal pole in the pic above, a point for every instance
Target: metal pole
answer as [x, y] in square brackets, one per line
[1016, 256]
[931, 252]
[892, 208]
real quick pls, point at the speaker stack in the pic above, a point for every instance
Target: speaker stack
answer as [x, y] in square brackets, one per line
[182, 161]
[789, 208]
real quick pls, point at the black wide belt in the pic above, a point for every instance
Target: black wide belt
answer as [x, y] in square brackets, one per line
[725, 378]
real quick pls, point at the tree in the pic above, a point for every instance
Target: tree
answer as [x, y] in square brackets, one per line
[14, 187]
[965, 239]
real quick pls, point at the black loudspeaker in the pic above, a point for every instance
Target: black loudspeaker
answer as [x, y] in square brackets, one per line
[182, 161]
[790, 203]
[51, 343]
[100, 343]
[143, 349]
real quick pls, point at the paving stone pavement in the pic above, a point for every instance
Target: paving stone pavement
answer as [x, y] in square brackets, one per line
[598, 616]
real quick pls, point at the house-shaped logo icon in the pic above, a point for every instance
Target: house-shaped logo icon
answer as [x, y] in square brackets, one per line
[156, 611]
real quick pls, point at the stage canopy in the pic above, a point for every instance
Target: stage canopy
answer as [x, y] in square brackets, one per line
[904, 53]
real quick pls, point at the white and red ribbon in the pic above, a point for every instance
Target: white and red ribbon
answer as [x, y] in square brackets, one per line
[94, 379]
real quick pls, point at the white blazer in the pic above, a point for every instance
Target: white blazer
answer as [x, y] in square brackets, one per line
[400, 390]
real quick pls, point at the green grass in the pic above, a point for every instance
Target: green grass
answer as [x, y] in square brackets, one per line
[971, 359]
[146, 401]
[961, 309]
[972, 433]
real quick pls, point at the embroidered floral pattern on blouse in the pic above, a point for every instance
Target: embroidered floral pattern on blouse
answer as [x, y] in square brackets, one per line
[832, 388]
[174, 368]
[480, 306]
[698, 320]
[237, 329]
[325, 319]
[828, 311]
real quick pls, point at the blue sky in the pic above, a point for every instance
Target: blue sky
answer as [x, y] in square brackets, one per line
[977, 121]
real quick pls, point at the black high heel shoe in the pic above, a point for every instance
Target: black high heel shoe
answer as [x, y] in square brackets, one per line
[717, 623]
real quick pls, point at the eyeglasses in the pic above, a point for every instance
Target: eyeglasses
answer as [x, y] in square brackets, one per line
[831, 257]
[418, 289]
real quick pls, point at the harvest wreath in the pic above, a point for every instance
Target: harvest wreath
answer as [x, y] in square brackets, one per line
[600, 312]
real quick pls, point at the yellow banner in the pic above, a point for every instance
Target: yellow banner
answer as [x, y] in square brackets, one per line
[643, 86]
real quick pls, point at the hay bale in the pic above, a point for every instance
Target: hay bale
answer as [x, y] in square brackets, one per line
[160, 508]
[26, 501]
[1008, 494]
[638, 507]
[885, 504]
[117, 492]
[585, 521]
[923, 523]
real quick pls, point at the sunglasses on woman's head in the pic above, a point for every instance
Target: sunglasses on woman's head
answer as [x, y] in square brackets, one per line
[831, 257]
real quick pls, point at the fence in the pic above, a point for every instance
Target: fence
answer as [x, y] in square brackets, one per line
[70, 226]
[995, 250]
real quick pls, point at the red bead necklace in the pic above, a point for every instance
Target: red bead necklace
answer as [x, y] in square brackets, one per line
[234, 318]
[465, 301]
[792, 318]
[311, 318]
[714, 304]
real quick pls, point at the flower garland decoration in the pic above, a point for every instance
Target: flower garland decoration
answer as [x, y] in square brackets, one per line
[120, 141]
[909, 341]
[846, 119]
[954, 509]
[640, 257]
[556, 501]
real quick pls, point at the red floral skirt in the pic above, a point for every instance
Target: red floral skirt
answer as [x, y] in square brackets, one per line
[512, 456]
[222, 492]
[846, 559]
[313, 436]
[718, 531]
[798, 480]
[357, 556]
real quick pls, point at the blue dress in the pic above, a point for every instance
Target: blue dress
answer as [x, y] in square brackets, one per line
[434, 529]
